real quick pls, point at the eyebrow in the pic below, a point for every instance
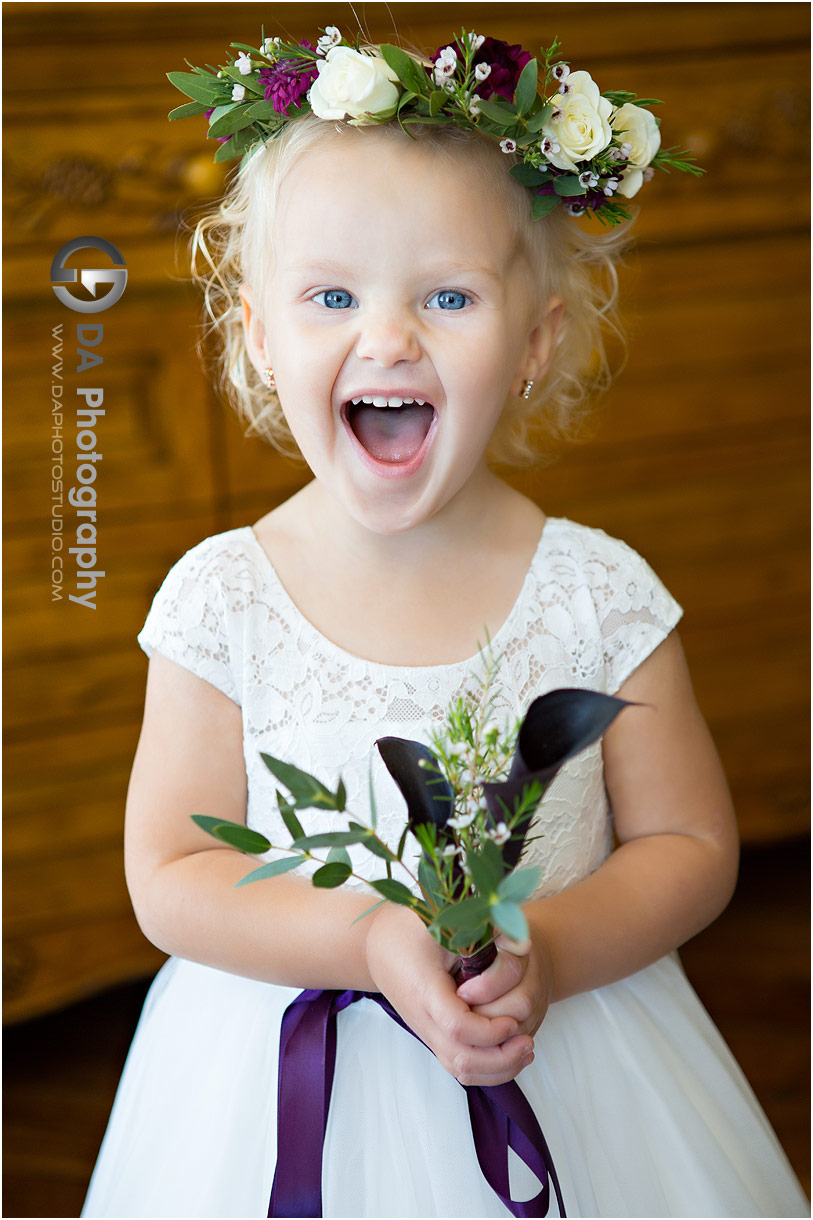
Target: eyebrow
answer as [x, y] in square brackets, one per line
[439, 271]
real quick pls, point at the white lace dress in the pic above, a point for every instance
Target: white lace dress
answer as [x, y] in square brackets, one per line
[643, 1107]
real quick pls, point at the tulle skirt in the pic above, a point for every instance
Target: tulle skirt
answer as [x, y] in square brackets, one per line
[644, 1109]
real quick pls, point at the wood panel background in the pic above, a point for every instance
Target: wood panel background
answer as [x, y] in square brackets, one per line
[699, 458]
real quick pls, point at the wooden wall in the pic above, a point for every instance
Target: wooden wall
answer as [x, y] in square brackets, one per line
[699, 460]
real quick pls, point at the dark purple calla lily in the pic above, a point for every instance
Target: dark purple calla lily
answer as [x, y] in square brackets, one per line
[427, 792]
[556, 727]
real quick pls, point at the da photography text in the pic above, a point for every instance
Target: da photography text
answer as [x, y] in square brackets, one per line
[75, 449]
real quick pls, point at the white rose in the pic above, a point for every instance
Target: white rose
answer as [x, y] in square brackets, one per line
[643, 135]
[352, 84]
[581, 127]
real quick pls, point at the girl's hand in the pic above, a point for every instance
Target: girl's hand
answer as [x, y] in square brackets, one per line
[517, 984]
[413, 972]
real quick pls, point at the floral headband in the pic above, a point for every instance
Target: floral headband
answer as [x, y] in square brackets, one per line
[569, 144]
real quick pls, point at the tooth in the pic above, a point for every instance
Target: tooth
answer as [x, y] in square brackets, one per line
[356, 402]
[420, 402]
[407, 401]
[368, 398]
[396, 402]
[379, 402]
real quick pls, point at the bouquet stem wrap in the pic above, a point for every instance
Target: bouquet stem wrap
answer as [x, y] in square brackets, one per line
[500, 1114]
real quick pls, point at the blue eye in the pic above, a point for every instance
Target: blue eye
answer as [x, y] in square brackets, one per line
[449, 299]
[334, 298]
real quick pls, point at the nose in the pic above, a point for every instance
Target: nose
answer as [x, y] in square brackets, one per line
[388, 336]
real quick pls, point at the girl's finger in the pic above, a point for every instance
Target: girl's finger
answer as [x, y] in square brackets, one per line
[504, 973]
[494, 1065]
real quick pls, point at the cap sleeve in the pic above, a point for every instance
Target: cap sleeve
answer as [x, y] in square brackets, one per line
[188, 620]
[636, 612]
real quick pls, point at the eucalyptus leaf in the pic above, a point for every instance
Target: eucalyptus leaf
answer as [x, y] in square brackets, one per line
[339, 855]
[430, 881]
[526, 87]
[369, 910]
[519, 885]
[331, 875]
[273, 869]
[330, 838]
[341, 796]
[292, 822]
[394, 891]
[486, 868]
[378, 848]
[568, 185]
[307, 791]
[236, 834]
[509, 919]
[529, 175]
[541, 205]
[469, 915]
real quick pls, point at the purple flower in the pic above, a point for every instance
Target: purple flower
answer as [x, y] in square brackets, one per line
[285, 83]
[506, 64]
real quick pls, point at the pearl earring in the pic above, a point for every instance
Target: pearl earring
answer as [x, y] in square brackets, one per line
[527, 386]
[268, 378]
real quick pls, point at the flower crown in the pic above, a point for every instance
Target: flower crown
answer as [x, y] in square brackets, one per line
[569, 143]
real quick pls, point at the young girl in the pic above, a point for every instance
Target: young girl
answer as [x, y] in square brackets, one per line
[389, 302]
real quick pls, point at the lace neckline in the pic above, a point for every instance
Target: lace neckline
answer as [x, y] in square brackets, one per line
[348, 658]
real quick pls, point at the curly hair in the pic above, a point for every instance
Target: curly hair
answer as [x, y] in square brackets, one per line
[580, 266]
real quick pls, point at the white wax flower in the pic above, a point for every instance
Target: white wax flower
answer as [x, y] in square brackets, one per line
[642, 137]
[243, 63]
[238, 92]
[352, 84]
[580, 123]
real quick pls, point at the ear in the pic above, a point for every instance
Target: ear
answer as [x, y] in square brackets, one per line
[541, 343]
[253, 330]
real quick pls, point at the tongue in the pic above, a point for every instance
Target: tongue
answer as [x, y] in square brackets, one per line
[391, 434]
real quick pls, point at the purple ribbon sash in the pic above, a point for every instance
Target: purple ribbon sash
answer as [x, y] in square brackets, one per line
[501, 1117]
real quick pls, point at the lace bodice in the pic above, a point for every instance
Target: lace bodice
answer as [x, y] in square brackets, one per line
[589, 612]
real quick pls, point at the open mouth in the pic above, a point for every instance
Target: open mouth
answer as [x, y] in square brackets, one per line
[392, 433]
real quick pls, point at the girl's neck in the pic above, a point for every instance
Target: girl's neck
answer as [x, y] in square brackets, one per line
[477, 518]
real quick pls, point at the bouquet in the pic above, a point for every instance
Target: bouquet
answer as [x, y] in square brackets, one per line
[470, 804]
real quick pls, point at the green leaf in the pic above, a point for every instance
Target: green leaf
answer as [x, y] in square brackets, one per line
[486, 868]
[430, 881]
[188, 108]
[568, 185]
[498, 112]
[329, 876]
[410, 74]
[470, 915]
[242, 838]
[543, 204]
[509, 919]
[341, 796]
[378, 848]
[339, 855]
[526, 87]
[529, 175]
[369, 910]
[208, 89]
[331, 838]
[394, 891]
[519, 885]
[236, 834]
[274, 869]
[373, 809]
[262, 110]
[436, 101]
[538, 121]
[292, 822]
[307, 791]
[235, 119]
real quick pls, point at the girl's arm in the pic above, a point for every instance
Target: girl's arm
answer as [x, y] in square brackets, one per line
[190, 760]
[673, 872]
